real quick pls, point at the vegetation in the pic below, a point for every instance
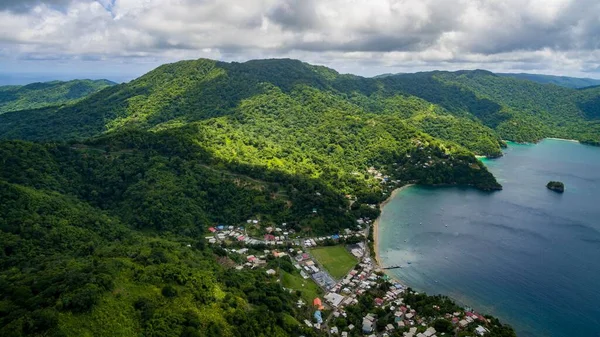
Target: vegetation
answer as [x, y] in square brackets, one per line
[109, 243]
[39, 95]
[563, 81]
[556, 186]
[335, 259]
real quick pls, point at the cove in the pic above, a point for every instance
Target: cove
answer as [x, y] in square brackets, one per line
[525, 254]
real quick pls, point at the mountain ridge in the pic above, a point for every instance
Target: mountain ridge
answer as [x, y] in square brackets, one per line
[44, 94]
[197, 89]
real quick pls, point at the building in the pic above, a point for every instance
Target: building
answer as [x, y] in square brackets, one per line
[480, 330]
[334, 299]
[271, 272]
[368, 323]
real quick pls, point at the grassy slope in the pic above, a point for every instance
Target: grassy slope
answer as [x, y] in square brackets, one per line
[309, 289]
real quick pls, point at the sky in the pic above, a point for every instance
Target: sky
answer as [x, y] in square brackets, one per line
[123, 39]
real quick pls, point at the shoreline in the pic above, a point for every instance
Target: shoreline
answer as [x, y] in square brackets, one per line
[563, 139]
[376, 231]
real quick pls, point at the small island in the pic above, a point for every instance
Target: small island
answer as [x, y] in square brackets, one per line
[556, 186]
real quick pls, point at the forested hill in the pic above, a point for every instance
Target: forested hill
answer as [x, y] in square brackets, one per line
[517, 110]
[472, 108]
[38, 95]
[563, 81]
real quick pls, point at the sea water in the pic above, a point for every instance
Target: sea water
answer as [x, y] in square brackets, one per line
[527, 255]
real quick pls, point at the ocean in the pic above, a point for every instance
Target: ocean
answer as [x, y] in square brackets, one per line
[527, 255]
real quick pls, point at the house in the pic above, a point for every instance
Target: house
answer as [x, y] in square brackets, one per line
[334, 330]
[212, 229]
[429, 332]
[367, 326]
[480, 330]
[389, 327]
[271, 272]
[269, 237]
[378, 301]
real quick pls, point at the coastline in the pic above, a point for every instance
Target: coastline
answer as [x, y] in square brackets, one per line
[376, 229]
[563, 139]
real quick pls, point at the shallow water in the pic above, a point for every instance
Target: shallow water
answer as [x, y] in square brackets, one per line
[526, 254]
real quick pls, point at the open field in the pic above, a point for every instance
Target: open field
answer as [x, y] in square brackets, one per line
[308, 287]
[335, 259]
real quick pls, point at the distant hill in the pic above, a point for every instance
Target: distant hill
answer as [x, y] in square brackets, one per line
[39, 95]
[563, 81]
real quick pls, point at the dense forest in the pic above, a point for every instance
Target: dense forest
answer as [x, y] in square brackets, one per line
[105, 201]
[39, 95]
[485, 107]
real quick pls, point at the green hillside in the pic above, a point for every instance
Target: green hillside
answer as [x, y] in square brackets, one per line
[563, 81]
[38, 95]
[186, 91]
[517, 110]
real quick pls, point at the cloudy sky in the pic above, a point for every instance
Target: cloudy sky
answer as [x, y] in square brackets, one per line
[122, 39]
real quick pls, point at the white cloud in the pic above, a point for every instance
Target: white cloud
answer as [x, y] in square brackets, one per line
[541, 35]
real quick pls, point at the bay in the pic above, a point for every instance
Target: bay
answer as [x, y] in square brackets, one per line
[527, 255]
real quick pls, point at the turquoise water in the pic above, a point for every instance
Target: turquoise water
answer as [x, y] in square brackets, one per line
[526, 254]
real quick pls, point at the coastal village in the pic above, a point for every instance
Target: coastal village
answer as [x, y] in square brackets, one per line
[360, 300]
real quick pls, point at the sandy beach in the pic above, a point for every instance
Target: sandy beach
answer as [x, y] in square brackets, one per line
[376, 223]
[566, 140]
